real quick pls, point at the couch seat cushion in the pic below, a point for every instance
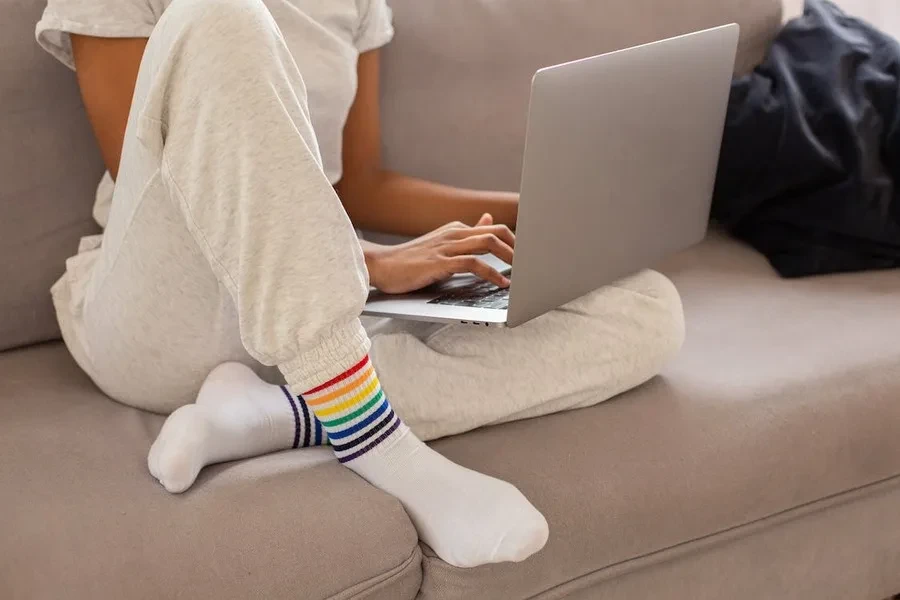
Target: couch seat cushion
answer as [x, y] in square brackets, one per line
[82, 518]
[786, 393]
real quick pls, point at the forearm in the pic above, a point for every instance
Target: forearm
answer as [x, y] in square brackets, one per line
[394, 203]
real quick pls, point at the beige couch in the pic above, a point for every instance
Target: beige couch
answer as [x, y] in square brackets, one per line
[764, 463]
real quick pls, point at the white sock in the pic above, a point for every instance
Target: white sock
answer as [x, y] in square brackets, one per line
[237, 415]
[469, 519]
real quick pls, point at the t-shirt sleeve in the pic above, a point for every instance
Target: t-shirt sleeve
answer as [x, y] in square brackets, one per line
[99, 18]
[375, 28]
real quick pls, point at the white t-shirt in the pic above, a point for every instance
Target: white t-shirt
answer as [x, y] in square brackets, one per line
[327, 58]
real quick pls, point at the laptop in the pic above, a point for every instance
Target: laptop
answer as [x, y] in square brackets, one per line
[618, 173]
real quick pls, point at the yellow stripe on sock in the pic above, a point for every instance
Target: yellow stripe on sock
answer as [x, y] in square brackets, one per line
[353, 401]
[341, 391]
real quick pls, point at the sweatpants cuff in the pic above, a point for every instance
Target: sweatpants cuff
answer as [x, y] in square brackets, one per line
[346, 345]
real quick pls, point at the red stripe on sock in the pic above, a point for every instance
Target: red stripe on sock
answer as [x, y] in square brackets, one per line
[349, 373]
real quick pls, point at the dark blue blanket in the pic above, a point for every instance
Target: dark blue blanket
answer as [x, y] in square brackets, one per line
[810, 167]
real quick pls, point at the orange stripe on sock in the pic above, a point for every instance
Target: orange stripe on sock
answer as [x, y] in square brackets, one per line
[341, 390]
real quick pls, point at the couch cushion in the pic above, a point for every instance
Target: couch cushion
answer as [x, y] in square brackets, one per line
[786, 393]
[82, 518]
[456, 78]
[49, 166]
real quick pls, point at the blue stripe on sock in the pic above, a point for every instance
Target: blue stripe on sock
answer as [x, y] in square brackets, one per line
[290, 399]
[306, 420]
[318, 432]
[339, 435]
[358, 441]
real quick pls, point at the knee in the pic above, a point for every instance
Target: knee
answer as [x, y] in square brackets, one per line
[233, 26]
[643, 312]
[660, 316]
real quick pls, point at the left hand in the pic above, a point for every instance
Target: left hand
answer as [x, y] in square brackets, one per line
[436, 256]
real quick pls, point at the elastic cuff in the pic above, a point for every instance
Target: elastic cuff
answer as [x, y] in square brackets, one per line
[344, 347]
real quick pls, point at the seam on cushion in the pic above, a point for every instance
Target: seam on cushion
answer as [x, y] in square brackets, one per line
[728, 534]
[364, 588]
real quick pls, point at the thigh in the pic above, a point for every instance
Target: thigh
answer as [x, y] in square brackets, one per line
[446, 380]
[153, 320]
[143, 312]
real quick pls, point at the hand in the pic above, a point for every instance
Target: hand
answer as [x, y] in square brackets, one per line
[436, 256]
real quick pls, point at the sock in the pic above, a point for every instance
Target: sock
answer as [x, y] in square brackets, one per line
[467, 518]
[237, 415]
[308, 430]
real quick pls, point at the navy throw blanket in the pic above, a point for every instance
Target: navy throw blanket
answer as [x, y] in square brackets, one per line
[809, 173]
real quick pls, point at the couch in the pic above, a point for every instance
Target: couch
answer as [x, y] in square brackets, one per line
[763, 463]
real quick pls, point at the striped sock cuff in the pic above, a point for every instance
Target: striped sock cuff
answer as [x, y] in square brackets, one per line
[308, 430]
[354, 411]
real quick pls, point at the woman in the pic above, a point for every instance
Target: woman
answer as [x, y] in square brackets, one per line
[240, 136]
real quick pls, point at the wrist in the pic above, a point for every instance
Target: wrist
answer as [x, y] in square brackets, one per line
[506, 210]
[373, 254]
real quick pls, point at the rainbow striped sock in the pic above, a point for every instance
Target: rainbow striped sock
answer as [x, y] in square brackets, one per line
[308, 430]
[354, 411]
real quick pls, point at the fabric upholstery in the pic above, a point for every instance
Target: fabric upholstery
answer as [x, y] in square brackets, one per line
[456, 78]
[754, 448]
[784, 394]
[82, 518]
[853, 538]
[49, 167]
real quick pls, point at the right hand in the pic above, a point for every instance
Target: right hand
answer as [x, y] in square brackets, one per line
[437, 256]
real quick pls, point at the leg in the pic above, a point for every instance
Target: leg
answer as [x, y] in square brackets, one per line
[588, 351]
[237, 415]
[595, 348]
[225, 138]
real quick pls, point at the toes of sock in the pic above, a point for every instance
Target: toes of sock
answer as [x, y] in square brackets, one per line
[469, 519]
[176, 456]
[514, 532]
[528, 536]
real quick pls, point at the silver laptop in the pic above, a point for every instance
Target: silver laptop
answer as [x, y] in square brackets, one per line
[620, 162]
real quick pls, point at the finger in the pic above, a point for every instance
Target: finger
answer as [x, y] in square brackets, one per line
[501, 231]
[479, 268]
[453, 226]
[482, 244]
[486, 219]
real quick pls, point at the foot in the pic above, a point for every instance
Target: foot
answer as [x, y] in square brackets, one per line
[467, 518]
[237, 415]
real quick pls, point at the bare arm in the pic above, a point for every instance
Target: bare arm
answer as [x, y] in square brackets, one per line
[107, 69]
[382, 200]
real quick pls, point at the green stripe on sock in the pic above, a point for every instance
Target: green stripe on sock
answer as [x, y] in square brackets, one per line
[355, 413]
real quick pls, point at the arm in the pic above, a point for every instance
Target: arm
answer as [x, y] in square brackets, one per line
[385, 201]
[107, 70]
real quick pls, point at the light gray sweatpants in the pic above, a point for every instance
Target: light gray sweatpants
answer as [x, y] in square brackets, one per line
[226, 242]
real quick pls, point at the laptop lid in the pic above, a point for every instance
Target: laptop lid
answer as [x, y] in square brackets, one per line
[620, 162]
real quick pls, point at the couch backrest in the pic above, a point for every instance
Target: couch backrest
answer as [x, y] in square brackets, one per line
[455, 93]
[456, 78]
[49, 167]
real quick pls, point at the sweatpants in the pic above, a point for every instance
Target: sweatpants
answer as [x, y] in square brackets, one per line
[227, 242]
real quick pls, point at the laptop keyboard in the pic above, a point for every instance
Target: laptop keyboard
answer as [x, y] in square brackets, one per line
[480, 294]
